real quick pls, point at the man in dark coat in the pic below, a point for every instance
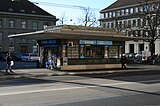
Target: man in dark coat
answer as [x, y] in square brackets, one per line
[123, 61]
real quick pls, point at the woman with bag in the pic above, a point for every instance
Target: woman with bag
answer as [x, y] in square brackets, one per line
[9, 62]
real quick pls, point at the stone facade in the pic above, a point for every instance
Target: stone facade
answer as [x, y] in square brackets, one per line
[19, 16]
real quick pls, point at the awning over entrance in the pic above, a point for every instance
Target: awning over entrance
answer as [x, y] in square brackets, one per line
[76, 32]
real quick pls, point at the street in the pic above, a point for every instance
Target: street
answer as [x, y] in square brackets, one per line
[141, 90]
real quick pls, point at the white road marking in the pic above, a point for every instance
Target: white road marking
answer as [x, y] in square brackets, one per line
[61, 89]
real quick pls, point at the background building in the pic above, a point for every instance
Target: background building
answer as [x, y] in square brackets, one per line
[124, 15]
[17, 16]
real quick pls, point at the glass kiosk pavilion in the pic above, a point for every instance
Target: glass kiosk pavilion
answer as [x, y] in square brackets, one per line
[79, 47]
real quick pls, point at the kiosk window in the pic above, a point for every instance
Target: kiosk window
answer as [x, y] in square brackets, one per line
[94, 51]
[113, 51]
[73, 51]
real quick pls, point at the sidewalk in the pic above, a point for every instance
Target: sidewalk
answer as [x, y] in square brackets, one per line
[42, 72]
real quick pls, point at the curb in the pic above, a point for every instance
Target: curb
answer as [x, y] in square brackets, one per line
[80, 73]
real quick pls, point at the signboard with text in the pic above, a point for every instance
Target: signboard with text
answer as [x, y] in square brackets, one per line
[94, 42]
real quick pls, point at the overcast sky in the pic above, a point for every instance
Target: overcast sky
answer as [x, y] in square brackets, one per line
[72, 8]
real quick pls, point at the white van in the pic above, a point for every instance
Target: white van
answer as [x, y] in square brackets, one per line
[30, 57]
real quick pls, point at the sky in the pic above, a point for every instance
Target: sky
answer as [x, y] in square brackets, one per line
[72, 10]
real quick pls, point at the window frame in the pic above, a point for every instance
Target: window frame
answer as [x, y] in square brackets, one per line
[34, 25]
[11, 23]
[23, 25]
[1, 23]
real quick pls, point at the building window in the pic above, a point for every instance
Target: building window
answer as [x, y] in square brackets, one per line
[108, 25]
[126, 11]
[112, 25]
[139, 33]
[0, 36]
[110, 14]
[131, 10]
[134, 23]
[125, 24]
[24, 24]
[129, 23]
[10, 10]
[131, 48]
[103, 15]
[106, 15]
[140, 9]
[34, 12]
[141, 47]
[35, 25]
[118, 13]
[1, 22]
[11, 23]
[145, 8]
[136, 9]
[22, 11]
[104, 25]
[113, 13]
[122, 12]
[120, 24]
[139, 22]
[144, 22]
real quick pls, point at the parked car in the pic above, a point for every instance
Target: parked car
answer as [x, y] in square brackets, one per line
[30, 57]
[18, 56]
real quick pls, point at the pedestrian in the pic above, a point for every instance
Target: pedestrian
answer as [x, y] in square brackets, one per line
[54, 59]
[123, 61]
[9, 62]
[48, 64]
[58, 63]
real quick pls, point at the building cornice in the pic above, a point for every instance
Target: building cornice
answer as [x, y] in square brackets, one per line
[27, 15]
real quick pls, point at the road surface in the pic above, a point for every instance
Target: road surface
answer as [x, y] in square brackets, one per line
[142, 90]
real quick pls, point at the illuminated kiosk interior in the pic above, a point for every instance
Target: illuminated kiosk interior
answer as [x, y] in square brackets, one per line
[79, 47]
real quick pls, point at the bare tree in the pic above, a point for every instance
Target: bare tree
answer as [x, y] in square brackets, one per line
[88, 18]
[63, 19]
[150, 25]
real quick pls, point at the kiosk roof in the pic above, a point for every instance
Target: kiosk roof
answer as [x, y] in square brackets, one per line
[76, 32]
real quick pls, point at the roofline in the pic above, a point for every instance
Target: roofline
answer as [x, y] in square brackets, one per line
[29, 15]
[25, 34]
[105, 9]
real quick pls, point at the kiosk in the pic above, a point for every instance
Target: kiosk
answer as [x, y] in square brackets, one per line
[79, 47]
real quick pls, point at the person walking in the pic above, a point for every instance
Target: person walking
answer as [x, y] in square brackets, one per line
[123, 61]
[8, 61]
